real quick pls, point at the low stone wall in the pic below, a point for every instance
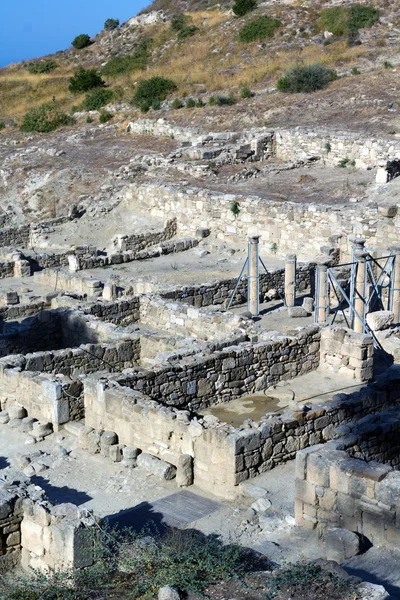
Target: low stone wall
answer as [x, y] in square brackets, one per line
[334, 490]
[38, 535]
[40, 332]
[69, 282]
[15, 236]
[332, 147]
[219, 376]
[138, 242]
[307, 230]
[124, 311]
[221, 291]
[347, 353]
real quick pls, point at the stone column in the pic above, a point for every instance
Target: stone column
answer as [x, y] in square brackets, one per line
[253, 278]
[357, 245]
[323, 297]
[359, 295]
[290, 280]
[395, 300]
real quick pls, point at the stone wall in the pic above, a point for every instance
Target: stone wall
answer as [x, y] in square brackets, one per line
[335, 490]
[39, 332]
[349, 354]
[332, 147]
[307, 230]
[137, 242]
[38, 535]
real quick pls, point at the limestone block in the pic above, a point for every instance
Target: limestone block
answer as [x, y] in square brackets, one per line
[108, 438]
[157, 467]
[380, 320]
[4, 417]
[15, 411]
[341, 544]
[73, 263]
[168, 593]
[388, 490]
[32, 537]
[261, 505]
[184, 471]
[41, 429]
[60, 411]
[295, 312]
[371, 591]
[109, 291]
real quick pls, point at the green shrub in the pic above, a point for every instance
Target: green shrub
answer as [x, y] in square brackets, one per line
[45, 66]
[190, 103]
[45, 118]
[176, 104]
[105, 116]
[85, 80]
[341, 20]
[111, 24]
[308, 78]
[179, 21]
[225, 100]
[2, 125]
[200, 103]
[387, 64]
[242, 7]
[89, 119]
[245, 91]
[212, 100]
[187, 32]
[235, 208]
[150, 90]
[156, 105]
[355, 71]
[119, 65]
[259, 29]
[81, 41]
[97, 98]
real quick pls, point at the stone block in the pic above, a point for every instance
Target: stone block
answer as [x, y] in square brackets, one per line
[184, 471]
[15, 411]
[156, 466]
[305, 491]
[380, 320]
[388, 490]
[296, 312]
[341, 544]
[318, 469]
[32, 537]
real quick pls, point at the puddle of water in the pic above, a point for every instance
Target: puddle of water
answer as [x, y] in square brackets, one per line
[247, 407]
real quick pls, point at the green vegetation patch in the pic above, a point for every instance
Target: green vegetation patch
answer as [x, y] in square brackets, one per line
[81, 41]
[121, 65]
[97, 98]
[45, 118]
[44, 66]
[152, 90]
[344, 20]
[259, 29]
[242, 7]
[308, 78]
[84, 80]
[111, 24]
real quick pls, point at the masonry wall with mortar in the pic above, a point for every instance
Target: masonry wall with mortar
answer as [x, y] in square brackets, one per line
[307, 230]
[347, 353]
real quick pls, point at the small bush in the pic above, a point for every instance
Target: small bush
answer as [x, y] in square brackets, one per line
[235, 208]
[242, 7]
[259, 29]
[176, 104]
[212, 100]
[150, 90]
[89, 119]
[85, 80]
[46, 118]
[200, 103]
[111, 24]
[225, 100]
[156, 105]
[190, 103]
[179, 21]
[120, 65]
[341, 20]
[45, 66]
[105, 116]
[306, 79]
[308, 581]
[355, 71]
[387, 64]
[2, 125]
[96, 98]
[187, 32]
[245, 92]
[81, 41]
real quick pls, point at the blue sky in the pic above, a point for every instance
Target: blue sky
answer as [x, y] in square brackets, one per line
[32, 28]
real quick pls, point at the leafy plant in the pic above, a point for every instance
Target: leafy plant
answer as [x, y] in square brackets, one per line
[327, 147]
[120, 65]
[235, 208]
[259, 29]
[177, 104]
[44, 66]
[245, 91]
[344, 162]
[187, 32]
[89, 119]
[308, 78]
[150, 90]
[81, 41]
[45, 118]
[97, 98]
[179, 21]
[111, 24]
[84, 80]
[355, 71]
[2, 125]
[105, 116]
[225, 100]
[342, 20]
[200, 103]
[387, 64]
[242, 7]
[190, 103]
[211, 100]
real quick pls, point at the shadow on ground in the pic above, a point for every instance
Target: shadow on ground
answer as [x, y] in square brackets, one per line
[60, 495]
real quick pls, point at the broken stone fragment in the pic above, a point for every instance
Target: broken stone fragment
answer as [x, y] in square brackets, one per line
[184, 471]
[341, 544]
[156, 466]
[15, 411]
[168, 593]
[4, 417]
[297, 311]
[380, 320]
